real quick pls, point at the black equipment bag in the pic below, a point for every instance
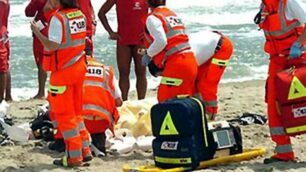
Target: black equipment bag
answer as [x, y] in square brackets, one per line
[42, 127]
[181, 124]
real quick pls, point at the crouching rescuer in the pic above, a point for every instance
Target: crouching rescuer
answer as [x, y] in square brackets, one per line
[100, 101]
[64, 57]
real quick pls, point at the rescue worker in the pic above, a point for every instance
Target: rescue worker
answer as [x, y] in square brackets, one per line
[35, 9]
[128, 37]
[283, 23]
[213, 51]
[168, 52]
[64, 57]
[102, 96]
[5, 76]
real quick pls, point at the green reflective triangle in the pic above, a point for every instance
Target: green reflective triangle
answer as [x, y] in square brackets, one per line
[168, 127]
[297, 89]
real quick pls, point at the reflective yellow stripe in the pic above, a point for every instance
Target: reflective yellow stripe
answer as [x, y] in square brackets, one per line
[168, 127]
[173, 160]
[171, 81]
[219, 62]
[297, 89]
[203, 119]
[296, 129]
[65, 161]
[74, 14]
[56, 89]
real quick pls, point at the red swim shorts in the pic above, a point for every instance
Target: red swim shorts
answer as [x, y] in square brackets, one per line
[4, 56]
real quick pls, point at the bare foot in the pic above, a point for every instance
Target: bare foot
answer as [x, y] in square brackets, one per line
[8, 99]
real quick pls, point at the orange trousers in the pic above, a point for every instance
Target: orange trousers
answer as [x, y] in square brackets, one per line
[283, 149]
[178, 77]
[209, 76]
[65, 99]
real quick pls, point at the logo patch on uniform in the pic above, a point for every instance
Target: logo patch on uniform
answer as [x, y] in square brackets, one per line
[168, 127]
[174, 21]
[137, 6]
[94, 71]
[299, 112]
[77, 25]
[297, 89]
[169, 145]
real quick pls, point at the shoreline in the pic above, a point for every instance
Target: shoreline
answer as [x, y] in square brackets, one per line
[234, 99]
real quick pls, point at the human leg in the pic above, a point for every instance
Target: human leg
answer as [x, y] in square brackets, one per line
[179, 77]
[209, 76]
[140, 71]
[4, 67]
[41, 74]
[124, 58]
[78, 103]
[42, 77]
[283, 149]
[8, 95]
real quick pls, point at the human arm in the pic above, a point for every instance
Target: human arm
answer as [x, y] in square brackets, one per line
[156, 30]
[53, 41]
[31, 9]
[102, 16]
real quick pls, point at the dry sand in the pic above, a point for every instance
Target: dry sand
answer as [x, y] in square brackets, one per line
[235, 98]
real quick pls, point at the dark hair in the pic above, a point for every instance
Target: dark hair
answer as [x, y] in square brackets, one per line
[156, 3]
[69, 4]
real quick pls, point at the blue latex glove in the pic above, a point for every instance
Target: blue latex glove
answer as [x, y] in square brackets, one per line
[295, 50]
[145, 60]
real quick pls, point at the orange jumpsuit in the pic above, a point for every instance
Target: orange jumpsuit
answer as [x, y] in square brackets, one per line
[99, 108]
[280, 34]
[210, 73]
[68, 68]
[177, 61]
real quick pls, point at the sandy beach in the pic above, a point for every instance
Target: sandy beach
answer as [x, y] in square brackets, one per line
[234, 99]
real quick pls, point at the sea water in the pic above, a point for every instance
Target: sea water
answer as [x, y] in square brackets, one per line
[234, 18]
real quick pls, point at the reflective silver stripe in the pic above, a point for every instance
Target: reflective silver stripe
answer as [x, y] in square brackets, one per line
[82, 126]
[73, 60]
[85, 144]
[69, 42]
[276, 131]
[284, 27]
[173, 33]
[54, 123]
[198, 96]
[174, 50]
[99, 84]
[211, 103]
[177, 48]
[91, 117]
[99, 109]
[70, 133]
[283, 148]
[74, 153]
